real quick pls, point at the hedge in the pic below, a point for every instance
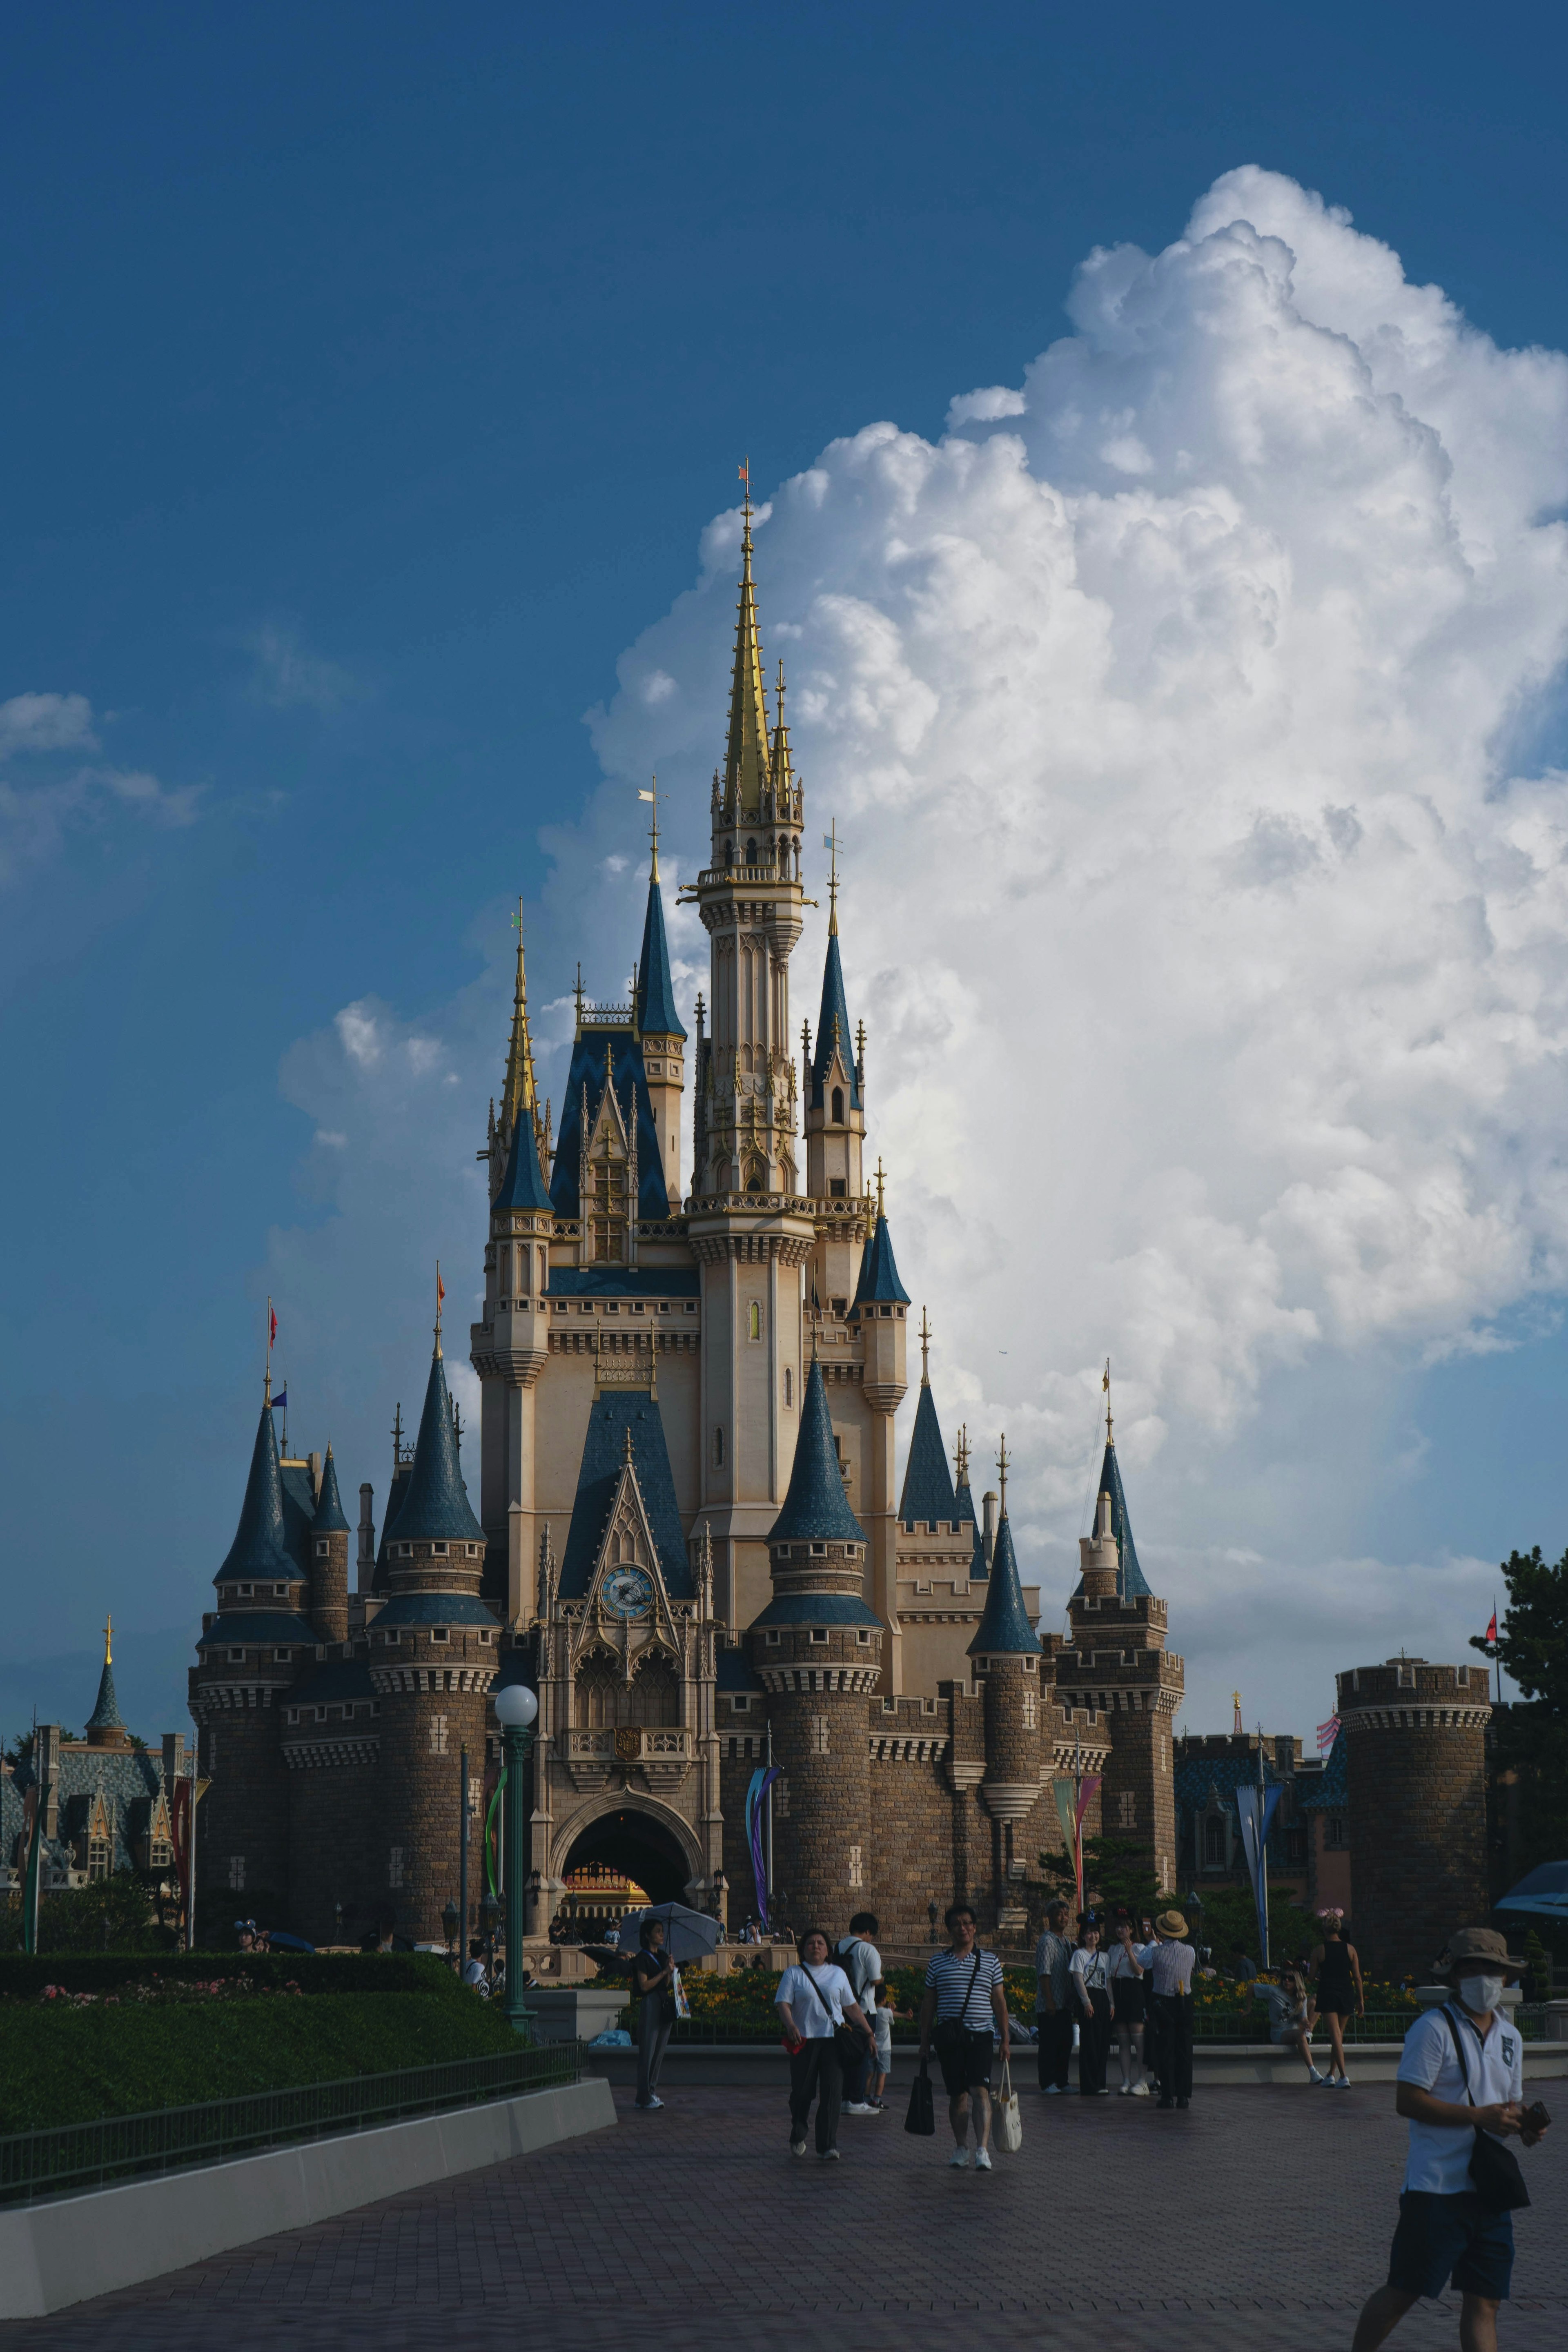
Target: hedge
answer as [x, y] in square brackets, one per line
[23, 1976]
[62, 2066]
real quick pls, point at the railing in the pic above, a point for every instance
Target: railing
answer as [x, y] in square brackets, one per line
[69, 2157]
[1377, 2025]
[626, 1743]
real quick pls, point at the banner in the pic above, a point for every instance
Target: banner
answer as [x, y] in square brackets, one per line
[762, 1780]
[1255, 1811]
[492, 1834]
[1073, 1800]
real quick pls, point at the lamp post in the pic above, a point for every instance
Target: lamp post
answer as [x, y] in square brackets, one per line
[462, 1860]
[490, 1911]
[449, 1922]
[517, 1710]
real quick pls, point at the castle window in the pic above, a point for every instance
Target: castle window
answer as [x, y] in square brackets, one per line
[755, 1320]
[439, 1549]
[392, 1634]
[638, 1307]
[245, 1592]
[751, 853]
[440, 1633]
[718, 1449]
[772, 1637]
[160, 1854]
[742, 1702]
[97, 1858]
[612, 1307]
[664, 1306]
[819, 1735]
[283, 1658]
[1029, 1718]
[1462, 1677]
[819, 1633]
[1031, 1666]
[838, 1188]
[789, 1388]
[1127, 1811]
[837, 1105]
[394, 1867]
[236, 1657]
[856, 1877]
[438, 1735]
[484, 1633]
[819, 1550]
[1213, 1843]
[690, 1308]
[863, 1636]
[322, 1546]
[236, 1874]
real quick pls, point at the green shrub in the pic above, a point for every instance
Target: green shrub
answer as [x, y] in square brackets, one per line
[62, 2065]
[113, 1914]
[23, 1976]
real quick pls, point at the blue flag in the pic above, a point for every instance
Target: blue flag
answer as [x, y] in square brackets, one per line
[280, 1402]
[1255, 1811]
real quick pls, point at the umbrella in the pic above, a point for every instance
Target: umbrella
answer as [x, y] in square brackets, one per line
[1543, 1891]
[688, 1935]
[289, 1943]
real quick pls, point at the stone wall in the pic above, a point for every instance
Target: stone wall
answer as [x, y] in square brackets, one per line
[1416, 1756]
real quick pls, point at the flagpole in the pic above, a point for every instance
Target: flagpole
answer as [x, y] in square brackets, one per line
[1262, 1855]
[1497, 1646]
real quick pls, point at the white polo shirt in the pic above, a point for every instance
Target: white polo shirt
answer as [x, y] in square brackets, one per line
[1439, 2159]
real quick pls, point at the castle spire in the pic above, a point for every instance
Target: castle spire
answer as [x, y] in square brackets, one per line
[259, 1548]
[928, 1494]
[1004, 1630]
[780, 769]
[518, 1093]
[747, 755]
[655, 1001]
[435, 1501]
[105, 1721]
[833, 1031]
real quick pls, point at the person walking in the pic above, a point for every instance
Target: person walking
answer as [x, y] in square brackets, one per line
[1336, 1994]
[965, 1999]
[1091, 1988]
[653, 1990]
[1169, 1979]
[861, 1962]
[1054, 2003]
[1127, 2008]
[1460, 2085]
[817, 2007]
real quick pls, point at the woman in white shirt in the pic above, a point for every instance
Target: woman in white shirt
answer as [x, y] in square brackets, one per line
[1090, 1973]
[1127, 2010]
[816, 2004]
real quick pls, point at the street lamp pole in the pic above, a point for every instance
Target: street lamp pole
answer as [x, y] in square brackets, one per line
[516, 1709]
[462, 1862]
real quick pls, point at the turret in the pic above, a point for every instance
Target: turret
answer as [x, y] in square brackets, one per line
[329, 1534]
[835, 1111]
[878, 1311]
[1101, 1560]
[105, 1725]
[1006, 1654]
[817, 1649]
[659, 1027]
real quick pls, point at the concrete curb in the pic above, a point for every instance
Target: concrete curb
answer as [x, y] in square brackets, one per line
[74, 2247]
[712, 2066]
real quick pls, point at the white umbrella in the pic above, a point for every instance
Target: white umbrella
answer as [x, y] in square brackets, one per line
[688, 1935]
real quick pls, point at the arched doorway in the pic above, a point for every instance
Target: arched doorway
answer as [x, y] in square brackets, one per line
[633, 1845]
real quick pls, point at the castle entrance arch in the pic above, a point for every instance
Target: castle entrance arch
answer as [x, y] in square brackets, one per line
[654, 1848]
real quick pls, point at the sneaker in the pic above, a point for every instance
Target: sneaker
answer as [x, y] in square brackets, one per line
[1125, 2091]
[982, 2159]
[1140, 2090]
[1053, 2090]
[1313, 2075]
[1103, 2092]
[1342, 2082]
[958, 2160]
[797, 2147]
[1183, 2103]
[857, 2107]
[827, 2155]
[647, 2105]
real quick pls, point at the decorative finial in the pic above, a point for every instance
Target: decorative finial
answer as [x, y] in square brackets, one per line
[518, 1094]
[961, 1450]
[746, 506]
[457, 1425]
[880, 1181]
[440, 1302]
[832, 844]
[925, 1350]
[653, 823]
[1001, 1472]
[108, 1633]
[1105, 1385]
[577, 992]
[397, 1439]
[626, 1445]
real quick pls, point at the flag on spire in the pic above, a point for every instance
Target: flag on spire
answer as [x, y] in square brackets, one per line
[1490, 1634]
[1327, 1733]
[271, 1324]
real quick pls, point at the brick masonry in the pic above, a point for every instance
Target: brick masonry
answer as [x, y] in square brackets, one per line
[1416, 1752]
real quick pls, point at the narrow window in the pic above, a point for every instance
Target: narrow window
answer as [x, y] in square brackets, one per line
[1127, 1811]
[438, 1735]
[856, 1877]
[755, 1320]
[819, 1734]
[236, 1874]
[789, 1387]
[837, 1105]
[394, 1867]
[718, 1449]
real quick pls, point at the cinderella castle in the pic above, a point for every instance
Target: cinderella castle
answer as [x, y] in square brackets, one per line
[687, 1534]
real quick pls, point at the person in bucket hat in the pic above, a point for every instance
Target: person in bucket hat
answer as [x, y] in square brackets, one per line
[1462, 2075]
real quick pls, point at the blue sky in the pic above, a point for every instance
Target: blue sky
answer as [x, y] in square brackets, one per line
[368, 381]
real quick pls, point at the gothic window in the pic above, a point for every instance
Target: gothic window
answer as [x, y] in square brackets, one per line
[1213, 1843]
[98, 1858]
[598, 1687]
[438, 1735]
[837, 1105]
[789, 1387]
[1030, 1716]
[857, 1876]
[819, 1735]
[608, 1205]
[751, 853]
[394, 1867]
[755, 1320]
[160, 1854]
[626, 1546]
[655, 1693]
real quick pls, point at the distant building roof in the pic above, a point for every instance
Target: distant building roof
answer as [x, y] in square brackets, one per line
[432, 1608]
[816, 1609]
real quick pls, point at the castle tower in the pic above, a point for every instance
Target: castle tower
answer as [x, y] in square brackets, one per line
[835, 1111]
[748, 1228]
[817, 1648]
[330, 1559]
[509, 1346]
[1414, 1748]
[433, 1658]
[105, 1725]
[1006, 1654]
[878, 1313]
[248, 1654]
[659, 1027]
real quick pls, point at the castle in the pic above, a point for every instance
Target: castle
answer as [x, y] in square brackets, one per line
[687, 1535]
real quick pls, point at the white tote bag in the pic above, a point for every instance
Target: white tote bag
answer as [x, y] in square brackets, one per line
[1009, 2117]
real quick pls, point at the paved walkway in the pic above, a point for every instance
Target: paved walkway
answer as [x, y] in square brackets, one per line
[1257, 2222]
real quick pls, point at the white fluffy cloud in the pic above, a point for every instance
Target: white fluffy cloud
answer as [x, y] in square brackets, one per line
[1204, 900]
[37, 814]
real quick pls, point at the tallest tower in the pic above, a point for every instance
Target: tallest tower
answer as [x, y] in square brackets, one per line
[748, 1228]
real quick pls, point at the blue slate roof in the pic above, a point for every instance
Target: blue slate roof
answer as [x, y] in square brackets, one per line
[435, 1502]
[1004, 1630]
[623, 1281]
[735, 1672]
[261, 1547]
[816, 1508]
[613, 1414]
[256, 1628]
[928, 1482]
[1329, 1788]
[1194, 1778]
[330, 1520]
[299, 1514]
[963, 1503]
[656, 991]
[339, 1679]
[523, 1185]
[434, 1609]
[1130, 1582]
[879, 1275]
[106, 1715]
[816, 1609]
[590, 1054]
[833, 1023]
[130, 1781]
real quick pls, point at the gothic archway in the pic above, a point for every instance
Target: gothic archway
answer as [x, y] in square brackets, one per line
[647, 1843]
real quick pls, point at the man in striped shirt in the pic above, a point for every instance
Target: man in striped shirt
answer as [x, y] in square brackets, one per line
[967, 2000]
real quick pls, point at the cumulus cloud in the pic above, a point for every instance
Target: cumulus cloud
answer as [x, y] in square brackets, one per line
[1209, 944]
[290, 677]
[47, 722]
[37, 814]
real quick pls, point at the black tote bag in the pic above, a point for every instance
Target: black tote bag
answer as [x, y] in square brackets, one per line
[921, 2116]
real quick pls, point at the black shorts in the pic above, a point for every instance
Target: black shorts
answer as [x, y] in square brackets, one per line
[967, 2067]
[1439, 2238]
[1126, 1993]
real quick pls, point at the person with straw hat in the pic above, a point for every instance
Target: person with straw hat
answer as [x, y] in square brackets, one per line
[1460, 2085]
[1169, 1961]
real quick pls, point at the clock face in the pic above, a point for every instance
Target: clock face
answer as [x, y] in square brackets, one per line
[627, 1591]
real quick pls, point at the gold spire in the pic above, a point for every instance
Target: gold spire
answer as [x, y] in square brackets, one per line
[108, 1632]
[1105, 1385]
[781, 770]
[519, 1094]
[880, 1181]
[746, 759]
[925, 1350]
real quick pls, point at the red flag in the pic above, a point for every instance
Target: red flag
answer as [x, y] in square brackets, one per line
[440, 1289]
[1491, 1628]
[272, 1323]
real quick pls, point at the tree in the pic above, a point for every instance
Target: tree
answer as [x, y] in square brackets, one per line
[1529, 1741]
[1532, 1643]
[1116, 1869]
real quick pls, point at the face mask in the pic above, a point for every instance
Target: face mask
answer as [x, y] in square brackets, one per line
[1480, 1993]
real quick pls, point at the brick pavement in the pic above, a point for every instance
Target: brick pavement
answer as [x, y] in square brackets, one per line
[1260, 2218]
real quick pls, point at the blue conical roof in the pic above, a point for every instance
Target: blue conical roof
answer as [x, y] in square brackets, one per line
[1131, 1584]
[816, 1509]
[523, 1185]
[436, 1504]
[1004, 1630]
[656, 991]
[928, 1482]
[106, 1715]
[330, 1520]
[258, 1549]
[878, 1275]
[832, 1022]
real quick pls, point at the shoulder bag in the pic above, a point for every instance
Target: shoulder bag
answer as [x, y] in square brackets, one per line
[952, 2033]
[1009, 2115]
[921, 2116]
[1494, 2168]
[845, 2041]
